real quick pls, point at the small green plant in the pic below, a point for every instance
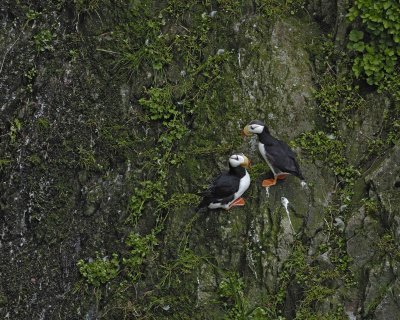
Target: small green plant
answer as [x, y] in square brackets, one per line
[231, 292]
[232, 295]
[326, 148]
[371, 206]
[16, 127]
[44, 41]
[100, 270]
[74, 54]
[87, 159]
[375, 39]
[43, 123]
[145, 192]
[314, 280]
[30, 76]
[140, 248]
[159, 104]
[231, 6]
[337, 99]
[32, 15]
[387, 246]
[184, 264]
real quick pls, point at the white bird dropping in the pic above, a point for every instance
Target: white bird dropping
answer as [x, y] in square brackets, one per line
[267, 191]
[285, 203]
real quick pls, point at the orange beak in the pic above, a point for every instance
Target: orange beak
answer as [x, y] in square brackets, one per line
[245, 132]
[246, 163]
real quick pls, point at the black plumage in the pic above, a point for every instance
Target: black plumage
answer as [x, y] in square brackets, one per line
[279, 156]
[224, 187]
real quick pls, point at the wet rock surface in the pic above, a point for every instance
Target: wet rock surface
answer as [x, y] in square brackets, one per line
[72, 148]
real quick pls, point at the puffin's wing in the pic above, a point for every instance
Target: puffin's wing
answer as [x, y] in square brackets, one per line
[283, 158]
[224, 185]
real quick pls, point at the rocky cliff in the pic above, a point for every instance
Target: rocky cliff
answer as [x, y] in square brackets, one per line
[116, 115]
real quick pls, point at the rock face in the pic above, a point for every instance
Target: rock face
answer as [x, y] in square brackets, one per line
[84, 166]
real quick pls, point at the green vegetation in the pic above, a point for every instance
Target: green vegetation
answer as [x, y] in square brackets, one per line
[338, 99]
[375, 43]
[274, 8]
[236, 305]
[16, 127]
[315, 280]
[140, 248]
[44, 40]
[387, 247]
[167, 103]
[327, 148]
[30, 76]
[376, 40]
[4, 163]
[100, 270]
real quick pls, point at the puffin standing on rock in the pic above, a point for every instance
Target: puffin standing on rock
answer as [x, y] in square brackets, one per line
[280, 158]
[226, 190]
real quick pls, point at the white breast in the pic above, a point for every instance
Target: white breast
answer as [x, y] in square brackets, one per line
[243, 186]
[261, 148]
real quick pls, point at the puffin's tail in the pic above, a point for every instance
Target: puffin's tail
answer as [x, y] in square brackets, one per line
[203, 204]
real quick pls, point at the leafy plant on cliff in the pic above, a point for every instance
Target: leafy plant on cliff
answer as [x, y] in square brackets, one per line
[237, 306]
[375, 39]
[140, 248]
[44, 40]
[329, 149]
[314, 281]
[100, 270]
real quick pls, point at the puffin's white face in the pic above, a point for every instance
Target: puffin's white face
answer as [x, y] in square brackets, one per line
[239, 160]
[253, 128]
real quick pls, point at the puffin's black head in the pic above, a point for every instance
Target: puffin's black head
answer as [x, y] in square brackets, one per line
[254, 127]
[237, 160]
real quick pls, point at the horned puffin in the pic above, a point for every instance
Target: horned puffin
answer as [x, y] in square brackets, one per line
[280, 158]
[226, 190]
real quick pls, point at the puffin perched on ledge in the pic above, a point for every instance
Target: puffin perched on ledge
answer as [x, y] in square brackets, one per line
[226, 190]
[280, 158]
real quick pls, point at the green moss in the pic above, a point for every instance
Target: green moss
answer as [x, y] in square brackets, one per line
[387, 247]
[15, 128]
[100, 270]
[327, 148]
[44, 40]
[314, 280]
[140, 247]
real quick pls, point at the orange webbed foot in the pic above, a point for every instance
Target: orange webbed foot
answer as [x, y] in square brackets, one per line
[282, 176]
[268, 183]
[237, 203]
